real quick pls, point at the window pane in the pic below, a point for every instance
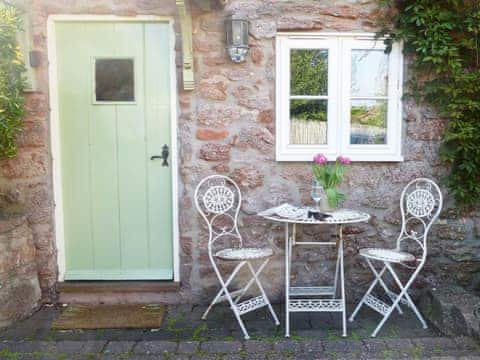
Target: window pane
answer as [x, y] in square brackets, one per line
[309, 72]
[369, 73]
[114, 80]
[308, 122]
[368, 122]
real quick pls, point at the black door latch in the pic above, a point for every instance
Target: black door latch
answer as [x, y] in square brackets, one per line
[164, 155]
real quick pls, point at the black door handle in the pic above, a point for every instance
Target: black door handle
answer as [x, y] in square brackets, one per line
[164, 155]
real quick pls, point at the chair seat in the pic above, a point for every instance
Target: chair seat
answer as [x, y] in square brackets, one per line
[389, 255]
[244, 253]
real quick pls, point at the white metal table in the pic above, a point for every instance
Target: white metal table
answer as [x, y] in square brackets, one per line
[317, 298]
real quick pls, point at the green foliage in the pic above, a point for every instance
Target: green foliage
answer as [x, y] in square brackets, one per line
[330, 176]
[370, 115]
[309, 76]
[308, 110]
[443, 38]
[11, 81]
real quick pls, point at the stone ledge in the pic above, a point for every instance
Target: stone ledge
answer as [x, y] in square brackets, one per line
[451, 311]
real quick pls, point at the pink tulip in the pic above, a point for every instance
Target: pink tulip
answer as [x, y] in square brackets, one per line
[320, 159]
[343, 160]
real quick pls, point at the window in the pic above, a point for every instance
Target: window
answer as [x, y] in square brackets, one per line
[114, 80]
[338, 94]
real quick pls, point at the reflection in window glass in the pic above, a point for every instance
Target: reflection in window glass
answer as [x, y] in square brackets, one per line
[368, 122]
[308, 72]
[369, 73]
[114, 80]
[308, 122]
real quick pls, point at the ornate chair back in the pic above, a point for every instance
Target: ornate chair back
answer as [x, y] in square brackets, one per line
[218, 199]
[420, 204]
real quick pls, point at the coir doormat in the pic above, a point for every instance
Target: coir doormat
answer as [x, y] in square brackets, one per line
[110, 317]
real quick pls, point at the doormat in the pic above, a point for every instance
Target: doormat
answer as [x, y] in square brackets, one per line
[110, 317]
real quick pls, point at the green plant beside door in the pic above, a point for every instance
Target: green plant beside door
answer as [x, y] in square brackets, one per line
[443, 41]
[12, 82]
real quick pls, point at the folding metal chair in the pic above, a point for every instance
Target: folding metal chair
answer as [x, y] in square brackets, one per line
[218, 200]
[420, 205]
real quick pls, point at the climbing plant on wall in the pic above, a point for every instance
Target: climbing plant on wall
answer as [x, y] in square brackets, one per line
[443, 41]
[11, 80]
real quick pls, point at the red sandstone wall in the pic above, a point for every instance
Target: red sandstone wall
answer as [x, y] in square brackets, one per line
[227, 126]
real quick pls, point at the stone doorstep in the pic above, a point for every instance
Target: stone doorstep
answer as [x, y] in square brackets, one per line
[94, 287]
[108, 292]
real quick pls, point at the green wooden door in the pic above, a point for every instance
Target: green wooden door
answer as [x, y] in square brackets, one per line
[114, 114]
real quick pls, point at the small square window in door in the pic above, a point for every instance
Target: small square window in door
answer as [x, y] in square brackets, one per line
[114, 80]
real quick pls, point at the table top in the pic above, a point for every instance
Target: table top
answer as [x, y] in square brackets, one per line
[340, 216]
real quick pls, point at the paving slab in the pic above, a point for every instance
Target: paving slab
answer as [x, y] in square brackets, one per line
[258, 346]
[313, 347]
[287, 345]
[36, 357]
[436, 344]
[27, 346]
[155, 347]
[79, 347]
[208, 357]
[222, 347]
[344, 346]
[119, 347]
[188, 347]
[467, 343]
[234, 357]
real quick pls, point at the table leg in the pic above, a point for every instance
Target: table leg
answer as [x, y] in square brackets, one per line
[287, 283]
[337, 270]
[342, 281]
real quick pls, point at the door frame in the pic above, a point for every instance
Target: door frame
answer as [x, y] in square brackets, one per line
[55, 129]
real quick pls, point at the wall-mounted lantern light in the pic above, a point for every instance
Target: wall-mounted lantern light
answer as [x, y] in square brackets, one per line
[236, 29]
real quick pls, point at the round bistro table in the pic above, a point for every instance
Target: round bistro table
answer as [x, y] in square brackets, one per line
[317, 298]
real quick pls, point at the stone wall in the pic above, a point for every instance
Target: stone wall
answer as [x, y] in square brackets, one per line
[227, 126]
[19, 287]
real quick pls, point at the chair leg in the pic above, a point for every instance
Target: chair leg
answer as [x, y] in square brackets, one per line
[415, 310]
[288, 263]
[342, 282]
[385, 318]
[250, 282]
[233, 306]
[239, 318]
[403, 293]
[224, 289]
[337, 271]
[214, 301]
[384, 286]
[404, 290]
[264, 295]
[357, 309]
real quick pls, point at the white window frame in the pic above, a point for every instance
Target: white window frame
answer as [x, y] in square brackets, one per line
[339, 46]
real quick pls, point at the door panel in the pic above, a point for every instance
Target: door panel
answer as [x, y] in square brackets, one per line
[117, 202]
[157, 112]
